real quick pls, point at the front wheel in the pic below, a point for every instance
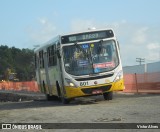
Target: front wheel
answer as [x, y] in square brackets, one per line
[108, 95]
[65, 101]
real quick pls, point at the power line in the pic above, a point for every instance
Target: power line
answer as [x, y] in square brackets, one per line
[140, 60]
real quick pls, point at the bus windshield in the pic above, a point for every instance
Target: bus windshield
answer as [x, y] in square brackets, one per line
[90, 58]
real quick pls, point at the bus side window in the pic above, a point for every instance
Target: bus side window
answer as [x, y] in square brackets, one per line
[35, 61]
[48, 56]
[41, 59]
[54, 55]
[51, 55]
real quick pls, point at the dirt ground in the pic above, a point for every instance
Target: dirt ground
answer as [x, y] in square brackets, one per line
[124, 108]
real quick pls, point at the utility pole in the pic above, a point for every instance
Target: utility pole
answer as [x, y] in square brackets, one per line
[140, 60]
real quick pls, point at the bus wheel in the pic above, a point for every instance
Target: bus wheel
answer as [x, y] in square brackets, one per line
[52, 98]
[48, 97]
[65, 101]
[55, 98]
[108, 95]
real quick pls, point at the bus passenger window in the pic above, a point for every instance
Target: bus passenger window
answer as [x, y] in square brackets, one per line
[35, 61]
[51, 55]
[41, 59]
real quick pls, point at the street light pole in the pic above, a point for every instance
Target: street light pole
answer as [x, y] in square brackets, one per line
[140, 60]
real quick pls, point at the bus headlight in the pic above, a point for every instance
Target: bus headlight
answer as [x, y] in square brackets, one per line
[119, 76]
[70, 82]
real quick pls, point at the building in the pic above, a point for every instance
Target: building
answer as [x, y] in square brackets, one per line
[140, 69]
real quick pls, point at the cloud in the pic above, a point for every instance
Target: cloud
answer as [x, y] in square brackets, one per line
[153, 51]
[140, 36]
[84, 24]
[153, 46]
[153, 56]
[43, 31]
[55, 14]
[81, 25]
[42, 21]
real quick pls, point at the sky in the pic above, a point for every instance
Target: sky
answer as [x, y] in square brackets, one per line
[26, 23]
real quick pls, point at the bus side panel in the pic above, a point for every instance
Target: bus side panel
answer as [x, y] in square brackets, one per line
[41, 80]
[44, 82]
[53, 76]
[38, 81]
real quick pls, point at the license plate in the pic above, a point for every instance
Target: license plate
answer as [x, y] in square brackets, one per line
[96, 91]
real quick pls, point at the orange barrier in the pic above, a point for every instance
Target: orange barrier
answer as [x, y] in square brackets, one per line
[134, 83]
[20, 86]
[142, 83]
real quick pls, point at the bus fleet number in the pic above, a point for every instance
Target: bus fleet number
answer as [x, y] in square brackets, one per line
[83, 83]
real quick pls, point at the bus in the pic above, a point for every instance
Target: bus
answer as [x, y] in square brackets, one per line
[80, 64]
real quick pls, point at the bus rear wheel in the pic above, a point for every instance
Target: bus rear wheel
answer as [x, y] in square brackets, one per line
[51, 98]
[48, 97]
[108, 95]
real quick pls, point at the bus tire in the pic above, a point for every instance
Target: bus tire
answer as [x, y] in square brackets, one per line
[52, 98]
[108, 95]
[55, 98]
[65, 101]
[48, 97]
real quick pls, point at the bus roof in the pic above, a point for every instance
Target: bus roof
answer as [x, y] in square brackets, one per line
[46, 44]
[86, 31]
[57, 38]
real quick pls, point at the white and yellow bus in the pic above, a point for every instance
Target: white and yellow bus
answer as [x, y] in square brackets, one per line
[80, 64]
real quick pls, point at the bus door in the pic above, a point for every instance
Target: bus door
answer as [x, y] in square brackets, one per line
[38, 72]
[61, 91]
[46, 73]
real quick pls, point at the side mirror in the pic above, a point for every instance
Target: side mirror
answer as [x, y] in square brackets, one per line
[58, 54]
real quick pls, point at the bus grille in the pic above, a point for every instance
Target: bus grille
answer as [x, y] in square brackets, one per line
[93, 78]
[90, 90]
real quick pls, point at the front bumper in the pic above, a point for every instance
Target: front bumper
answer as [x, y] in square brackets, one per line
[72, 92]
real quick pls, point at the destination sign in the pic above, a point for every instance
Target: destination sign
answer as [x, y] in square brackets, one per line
[87, 36]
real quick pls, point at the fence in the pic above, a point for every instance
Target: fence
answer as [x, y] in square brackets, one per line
[142, 83]
[30, 86]
[134, 83]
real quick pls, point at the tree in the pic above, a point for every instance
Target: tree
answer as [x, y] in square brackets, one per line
[20, 61]
[7, 74]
